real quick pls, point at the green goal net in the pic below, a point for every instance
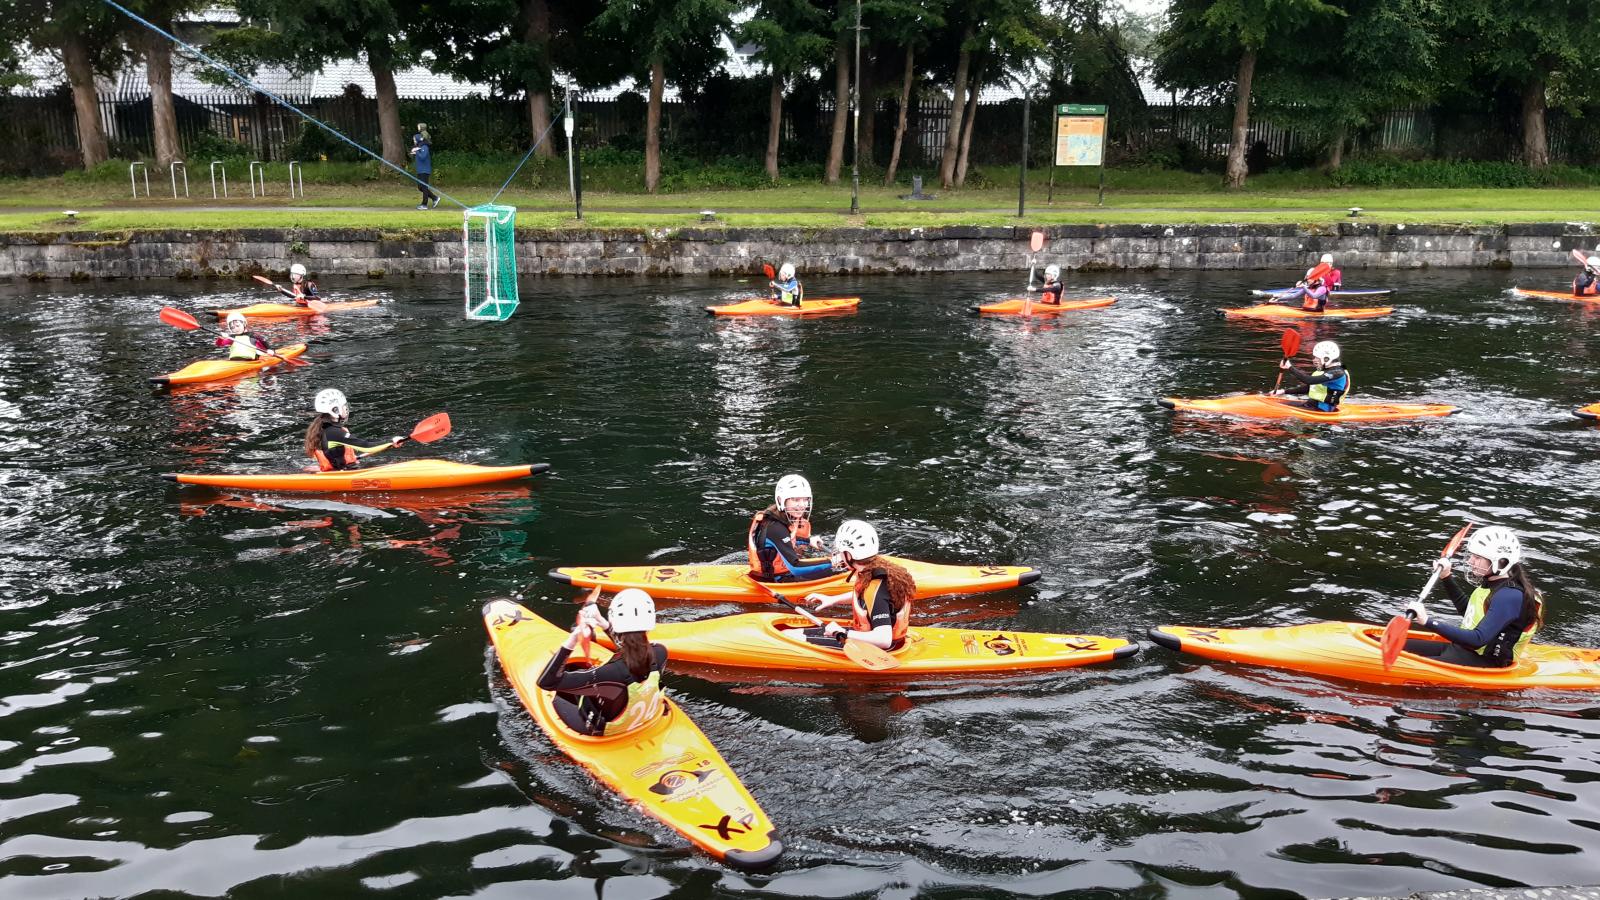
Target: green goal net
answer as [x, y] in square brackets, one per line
[489, 239]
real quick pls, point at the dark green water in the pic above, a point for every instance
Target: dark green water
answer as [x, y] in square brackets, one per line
[206, 694]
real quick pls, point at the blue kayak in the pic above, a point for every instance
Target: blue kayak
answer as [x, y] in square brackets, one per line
[1279, 293]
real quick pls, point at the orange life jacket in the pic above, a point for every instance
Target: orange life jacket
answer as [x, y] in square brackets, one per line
[798, 531]
[861, 606]
[326, 465]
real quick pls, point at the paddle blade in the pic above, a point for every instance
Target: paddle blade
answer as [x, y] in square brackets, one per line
[432, 428]
[1036, 242]
[1579, 257]
[1455, 542]
[1290, 343]
[767, 269]
[177, 318]
[869, 657]
[1394, 639]
[264, 280]
[316, 306]
[1318, 270]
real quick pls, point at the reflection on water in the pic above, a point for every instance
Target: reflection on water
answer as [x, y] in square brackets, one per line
[220, 692]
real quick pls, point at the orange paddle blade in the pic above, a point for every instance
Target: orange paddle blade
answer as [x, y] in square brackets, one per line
[1579, 257]
[1290, 343]
[177, 318]
[264, 280]
[869, 657]
[431, 429]
[1318, 270]
[1036, 242]
[1394, 639]
[317, 306]
[767, 268]
[1455, 542]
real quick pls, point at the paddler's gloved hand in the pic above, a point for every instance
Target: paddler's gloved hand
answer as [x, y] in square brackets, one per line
[397, 441]
[1275, 393]
[1285, 364]
[834, 630]
[1415, 610]
[1442, 566]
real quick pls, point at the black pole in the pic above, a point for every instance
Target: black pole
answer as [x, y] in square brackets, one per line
[855, 123]
[1022, 173]
[577, 157]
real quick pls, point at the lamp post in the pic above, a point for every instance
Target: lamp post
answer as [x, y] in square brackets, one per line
[1025, 81]
[574, 166]
[855, 123]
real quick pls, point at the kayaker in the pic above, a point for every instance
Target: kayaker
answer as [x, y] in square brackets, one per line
[1313, 292]
[1324, 386]
[1498, 618]
[1050, 294]
[1335, 278]
[880, 595]
[301, 288]
[790, 291]
[623, 694]
[328, 439]
[1587, 284]
[240, 342]
[780, 535]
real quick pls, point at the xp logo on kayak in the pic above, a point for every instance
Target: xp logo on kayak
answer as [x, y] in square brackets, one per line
[369, 484]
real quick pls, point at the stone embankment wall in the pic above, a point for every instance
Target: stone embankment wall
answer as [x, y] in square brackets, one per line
[719, 251]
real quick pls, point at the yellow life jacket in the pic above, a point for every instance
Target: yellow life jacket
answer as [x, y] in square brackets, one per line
[243, 346]
[644, 705]
[1478, 605]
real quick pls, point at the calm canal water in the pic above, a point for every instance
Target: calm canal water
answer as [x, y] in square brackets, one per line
[207, 693]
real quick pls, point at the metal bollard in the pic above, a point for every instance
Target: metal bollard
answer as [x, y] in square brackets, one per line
[295, 169]
[176, 165]
[135, 184]
[215, 163]
[257, 165]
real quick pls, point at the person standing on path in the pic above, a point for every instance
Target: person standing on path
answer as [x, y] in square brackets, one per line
[422, 152]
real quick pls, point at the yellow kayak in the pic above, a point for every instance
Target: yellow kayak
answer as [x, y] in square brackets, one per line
[733, 584]
[764, 307]
[219, 369]
[666, 767]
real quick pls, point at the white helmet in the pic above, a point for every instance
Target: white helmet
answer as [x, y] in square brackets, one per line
[332, 402]
[786, 271]
[856, 538]
[632, 610]
[1052, 271]
[1327, 258]
[237, 323]
[297, 271]
[790, 486]
[1593, 262]
[1497, 544]
[1325, 352]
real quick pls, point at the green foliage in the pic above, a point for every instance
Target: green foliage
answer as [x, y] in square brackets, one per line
[1392, 172]
[208, 145]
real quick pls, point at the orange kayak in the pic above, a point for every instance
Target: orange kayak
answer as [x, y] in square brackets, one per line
[761, 306]
[1554, 295]
[1014, 307]
[772, 641]
[1352, 650]
[1275, 311]
[411, 475]
[1591, 412]
[218, 369]
[1261, 406]
[291, 310]
[665, 767]
[733, 584]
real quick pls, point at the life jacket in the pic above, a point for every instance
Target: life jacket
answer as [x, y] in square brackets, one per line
[1585, 285]
[790, 291]
[861, 612]
[799, 533]
[1052, 292]
[303, 291]
[325, 463]
[1329, 393]
[243, 346]
[1314, 300]
[1478, 605]
[644, 705]
[1334, 280]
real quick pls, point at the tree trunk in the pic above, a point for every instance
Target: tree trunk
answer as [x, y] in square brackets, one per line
[1336, 151]
[900, 123]
[388, 112]
[867, 105]
[1237, 168]
[158, 73]
[974, 87]
[91, 137]
[958, 100]
[536, 13]
[774, 125]
[1535, 142]
[652, 127]
[841, 110]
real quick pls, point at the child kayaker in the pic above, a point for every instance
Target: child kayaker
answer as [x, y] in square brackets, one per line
[302, 288]
[780, 535]
[241, 343]
[880, 595]
[1587, 284]
[1324, 386]
[1051, 292]
[328, 440]
[1498, 618]
[623, 694]
[1313, 292]
[1334, 280]
[790, 292]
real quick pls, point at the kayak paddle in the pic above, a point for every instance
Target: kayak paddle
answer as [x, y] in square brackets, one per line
[1394, 633]
[861, 653]
[1579, 257]
[177, 318]
[592, 600]
[1035, 244]
[313, 304]
[772, 293]
[427, 431]
[1291, 346]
